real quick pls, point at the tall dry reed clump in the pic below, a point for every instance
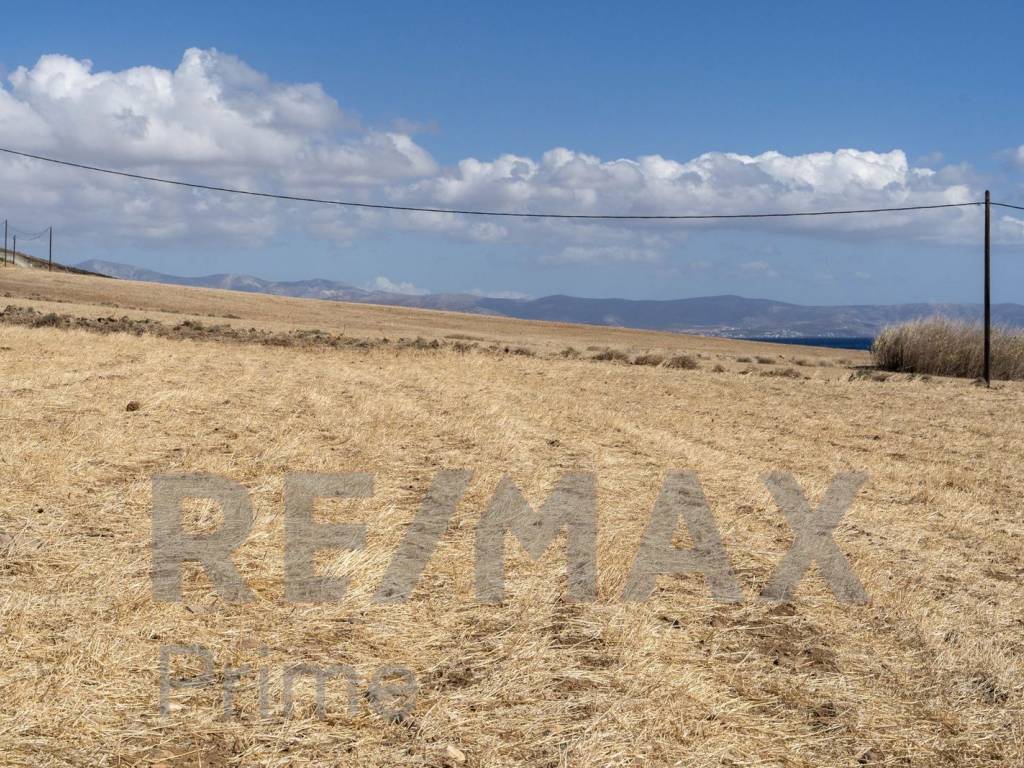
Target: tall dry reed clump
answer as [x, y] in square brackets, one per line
[948, 348]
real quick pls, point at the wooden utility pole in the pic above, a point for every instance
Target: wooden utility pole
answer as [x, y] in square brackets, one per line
[5, 242]
[988, 290]
[14, 251]
[50, 269]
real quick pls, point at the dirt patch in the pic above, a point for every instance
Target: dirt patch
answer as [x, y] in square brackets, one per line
[784, 637]
[198, 331]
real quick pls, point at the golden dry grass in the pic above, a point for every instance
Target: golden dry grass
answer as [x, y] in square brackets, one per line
[928, 673]
[101, 297]
[948, 348]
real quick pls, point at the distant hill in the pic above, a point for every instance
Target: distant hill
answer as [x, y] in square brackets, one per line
[740, 317]
[733, 316]
[319, 289]
[24, 260]
[307, 289]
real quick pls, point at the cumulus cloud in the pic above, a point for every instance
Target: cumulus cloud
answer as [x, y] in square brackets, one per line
[1015, 156]
[1011, 227]
[214, 119]
[715, 182]
[212, 113]
[381, 283]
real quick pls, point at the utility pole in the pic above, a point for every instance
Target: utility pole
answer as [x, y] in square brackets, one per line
[988, 290]
[14, 252]
[5, 242]
[50, 269]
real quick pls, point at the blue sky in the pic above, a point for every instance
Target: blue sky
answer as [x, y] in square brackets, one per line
[937, 82]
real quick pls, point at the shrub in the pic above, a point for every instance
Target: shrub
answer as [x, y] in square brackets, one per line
[570, 353]
[613, 355]
[744, 360]
[719, 368]
[420, 343]
[685, 362]
[50, 320]
[648, 359]
[764, 360]
[945, 347]
[784, 373]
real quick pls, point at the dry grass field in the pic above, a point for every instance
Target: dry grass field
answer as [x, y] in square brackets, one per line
[929, 672]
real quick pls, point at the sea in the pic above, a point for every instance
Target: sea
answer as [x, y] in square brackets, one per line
[836, 342]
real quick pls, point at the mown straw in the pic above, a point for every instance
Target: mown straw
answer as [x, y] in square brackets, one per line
[928, 673]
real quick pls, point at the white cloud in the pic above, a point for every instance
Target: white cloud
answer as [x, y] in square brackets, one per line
[214, 119]
[381, 283]
[563, 180]
[1015, 155]
[1011, 227]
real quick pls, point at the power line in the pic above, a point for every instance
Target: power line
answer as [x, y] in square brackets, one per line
[26, 235]
[1007, 205]
[467, 212]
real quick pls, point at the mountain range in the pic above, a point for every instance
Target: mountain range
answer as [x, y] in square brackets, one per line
[732, 316]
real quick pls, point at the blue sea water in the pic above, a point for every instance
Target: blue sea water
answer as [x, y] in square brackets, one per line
[853, 342]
